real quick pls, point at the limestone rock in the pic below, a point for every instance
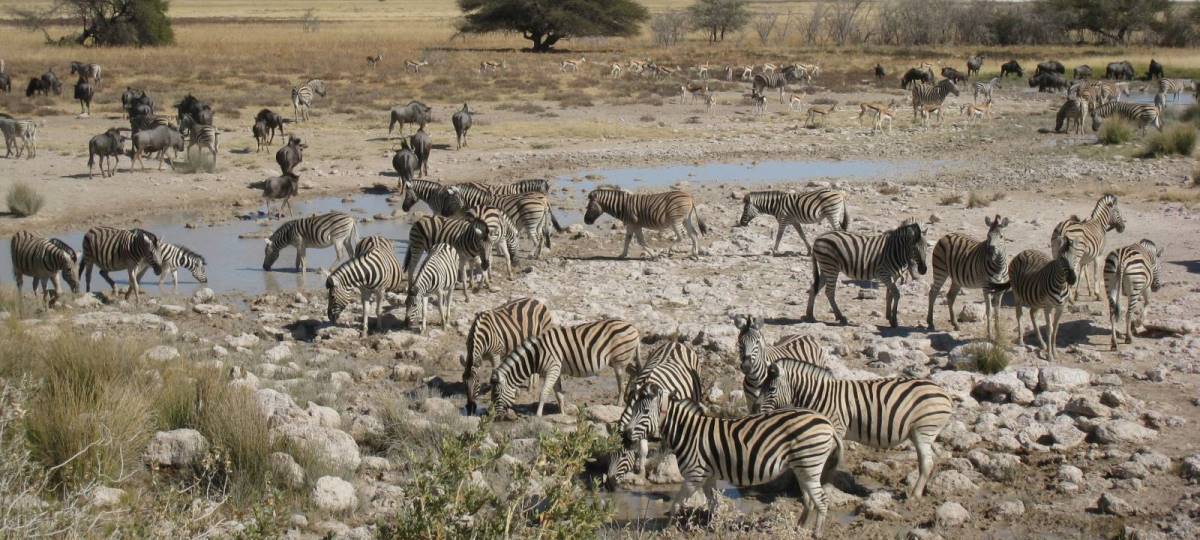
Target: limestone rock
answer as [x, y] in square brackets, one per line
[951, 514]
[332, 494]
[176, 448]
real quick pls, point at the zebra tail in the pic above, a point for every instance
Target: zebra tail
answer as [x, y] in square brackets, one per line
[835, 459]
[1114, 294]
[997, 288]
[554, 221]
[700, 221]
[845, 217]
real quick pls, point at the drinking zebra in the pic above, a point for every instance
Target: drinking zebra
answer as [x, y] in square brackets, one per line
[1142, 115]
[757, 357]
[373, 272]
[320, 231]
[578, 351]
[1133, 271]
[796, 209]
[43, 260]
[881, 257]
[444, 201]
[672, 366]
[175, 257]
[655, 211]
[1088, 236]
[469, 236]
[436, 277]
[1039, 282]
[112, 249]
[1172, 87]
[302, 97]
[971, 264]
[497, 332]
[985, 89]
[924, 95]
[880, 413]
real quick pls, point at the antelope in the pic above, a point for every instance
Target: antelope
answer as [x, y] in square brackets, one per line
[883, 115]
[747, 73]
[414, 65]
[372, 61]
[616, 70]
[637, 66]
[822, 111]
[695, 88]
[931, 110]
[490, 65]
[795, 102]
[572, 65]
[865, 108]
[976, 112]
[702, 71]
[768, 68]
[708, 100]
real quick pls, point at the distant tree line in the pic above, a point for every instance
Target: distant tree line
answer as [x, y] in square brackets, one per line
[102, 22]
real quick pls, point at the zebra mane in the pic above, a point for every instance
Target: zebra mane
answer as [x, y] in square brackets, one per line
[187, 252]
[1108, 200]
[804, 368]
[612, 187]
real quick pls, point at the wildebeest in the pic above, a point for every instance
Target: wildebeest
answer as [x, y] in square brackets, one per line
[1050, 66]
[273, 122]
[1012, 67]
[1082, 72]
[1121, 71]
[291, 155]
[1156, 70]
[974, 64]
[413, 113]
[200, 111]
[954, 75]
[260, 130]
[50, 80]
[136, 101]
[279, 187]
[90, 72]
[110, 144]
[160, 139]
[84, 94]
[879, 72]
[916, 74]
[37, 86]
[421, 146]
[5, 83]
[462, 123]
[405, 162]
[1049, 80]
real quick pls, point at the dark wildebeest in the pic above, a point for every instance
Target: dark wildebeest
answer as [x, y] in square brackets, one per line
[5, 83]
[291, 155]
[37, 87]
[110, 144]
[1049, 80]
[51, 81]
[915, 74]
[421, 145]
[413, 113]
[159, 139]
[1012, 67]
[405, 162]
[879, 72]
[954, 75]
[84, 94]
[462, 123]
[1050, 66]
[273, 121]
[1121, 71]
[136, 101]
[1156, 70]
[260, 130]
[1082, 72]
[279, 187]
[974, 64]
[200, 112]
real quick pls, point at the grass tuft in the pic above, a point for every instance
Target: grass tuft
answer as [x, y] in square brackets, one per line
[989, 357]
[976, 199]
[950, 199]
[889, 189]
[24, 201]
[1115, 131]
[1179, 140]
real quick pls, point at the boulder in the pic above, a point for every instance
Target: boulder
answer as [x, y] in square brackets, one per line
[951, 514]
[287, 472]
[950, 483]
[203, 295]
[407, 372]
[244, 341]
[1112, 505]
[971, 313]
[665, 471]
[277, 353]
[1190, 469]
[606, 414]
[331, 446]
[1123, 431]
[1052, 378]
[1009, 509]
[105, 497]
[162, 353]
[436, 406]
[176, 448]
[332, 494]
[323, 416]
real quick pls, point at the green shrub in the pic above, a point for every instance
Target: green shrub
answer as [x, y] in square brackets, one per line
[1115, 131]
[1179, 139]
[24, 201]
[989, 357]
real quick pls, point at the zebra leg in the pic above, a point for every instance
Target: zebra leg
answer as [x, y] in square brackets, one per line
[987, 313]
[111, 283]
[891, 303]
[1054, 329]
[950, 296]
[694, 235]
[1020, 330]
[814, 497]
[812, 292]
[831, 293]
[366, 311]
[935, 289]
[710, 493]
[778, 237]
[628, 237]
[462, 277]
[923, 443]
[620, 387]
[1114, 314]
[643, 452]
[803, 237]
[300, 258]
[133, 286]
[550, 382]
[1095, 275]
[424, 313]
[641, 239]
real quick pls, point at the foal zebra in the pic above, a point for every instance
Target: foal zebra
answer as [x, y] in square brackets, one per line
[1172, 87]
[112, 249]
[655, 211]
[497, 332]
[971, 264]
[924, 95]
[436, 277]
[469, 236]
[672, 366]
[1039, 282]
[986, 89]
[321, 231]
[578, 351]
[302, 97]
[881, 413]
[1133, 271]
[373, 272]
[1142, 115]
[757, 357]
[444, 201]
[795, 209]
[1088, 239]
[175, 257]
[882, 257]
[43, 260]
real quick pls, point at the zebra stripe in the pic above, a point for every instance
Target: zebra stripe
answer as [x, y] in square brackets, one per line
[112, 249]
[881, 413]
[986, 88]
[502, 235]
[971, 264]
[436, 277]
[530, 213]
[206, 137]
[321, 231]
[469, 236]
[881, 257]
[530, 185]
[43, 260]
[1133, 271]
[26, 134]
[672, 366]
[496, 332]
[796, 209]
[756, 357]
[578, 351]
[770, 80]
[1039, 282]
[656, 211]
[373, 272]
[1088, 239]
[926, 95]
[175, 257]
[302, 97]
[1172, 87]
[1142, 115]
[443, 200]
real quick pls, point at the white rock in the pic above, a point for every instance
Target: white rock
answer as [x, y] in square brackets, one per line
[1123, 431]
[1052, 378]
[242, 341]
[606, 414]
[1010, 509]
[951, 514]
[407, 372]
[210, 309]
[436, 406]
[203, 295]
[105, 497]
[971, 313]
[176, 448]
[332, 494]
[1070, 473]
[278, 353]
[951, 483]
[665, 471]
[1190, 470]
[334, 447]
[323, 416]
[170, 310]
[162, 353]
[287, 472]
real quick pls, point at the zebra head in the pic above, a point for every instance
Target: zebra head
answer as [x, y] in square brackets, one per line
[480, 345]
[503, 388]
[410, 197]
[645, 418]
[776, 390]
[594, 208]
[749, 210]
[996, 228]
[338, 298]
[1115, 221]
[751, 348]
[620, 466]
[271, 252]
[912, 239]
[1154, 253]
[1066, 259]
[147, 244]
[194, 262]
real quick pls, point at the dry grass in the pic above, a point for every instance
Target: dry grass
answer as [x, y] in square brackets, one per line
[977, 199]
[1179, 139]
[889, 189]
[23, 200]
[950, 200]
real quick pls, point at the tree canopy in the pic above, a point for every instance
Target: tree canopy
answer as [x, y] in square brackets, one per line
[105, 22]
[717, 17]
[1112, 19]
[545, 22]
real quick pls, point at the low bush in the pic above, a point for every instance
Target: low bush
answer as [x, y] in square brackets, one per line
[989, 357]
[1179, 140]
[1115, 131]
[950, 199]
[976, 199]
[24, 201]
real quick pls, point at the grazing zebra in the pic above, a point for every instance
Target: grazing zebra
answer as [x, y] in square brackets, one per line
[502, 234]
[1072, 112]
[924, 95]
[881, 257]
[880, 413]
[655, 211]
[43, 260]
[971, 264]
[414, 65]
[1039, 282]
[175, 257]
[373, 61]
[746, 451]
[1133, 271]
[986, 89]
[796, 209]
[373, 272]
[497, 332]
[112, 249]
[469, 236]
[530, 213]
[1088, 236]
[436, 277]
[1142, 115]
[443, 200]
[756, 356]
[1172, 87]
[320, 231]
[672, 366]
[302, 97]
[778, 81]
[581, 350]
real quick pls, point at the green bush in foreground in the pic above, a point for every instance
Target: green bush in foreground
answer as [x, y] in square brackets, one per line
[989, 357]
[1115, 131]
[1179, 139]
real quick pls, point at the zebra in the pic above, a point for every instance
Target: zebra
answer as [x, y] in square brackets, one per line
[1088, 236]
[530, 213]
[1172, 87]
[1072, 112]
[502, 234]
[204, 136]
[43, 260]
[746, 451]
[986, 89]
[672, 366]
[1133, 271]
[302, 97]
[320, 231]
[26, 134]
[497, 332]
[373, 272]
[529, 185]
[756, 356]
[1143, 115]
[795, 209]
[770, 80]
[175, 257]
[436, 277]
[760, 102]
[444, 201]
[1039, 282]
[469, 236]
[579, 351]
[112, 249]
[930, 94]
[881, 257]
[656, 211]
[969, 263]
[880, 413]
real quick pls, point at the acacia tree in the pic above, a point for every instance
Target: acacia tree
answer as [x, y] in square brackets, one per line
[545, 22]
[105, 22]
[1114, 20]
[717, 17]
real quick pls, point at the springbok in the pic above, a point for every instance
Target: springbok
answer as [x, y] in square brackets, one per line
[414, 65]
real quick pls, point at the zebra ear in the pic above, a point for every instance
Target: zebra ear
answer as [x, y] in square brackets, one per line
[267, 240]
[756, 322]
[987, 220]
[1004, 223]
[773, 372]
[739, 321]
